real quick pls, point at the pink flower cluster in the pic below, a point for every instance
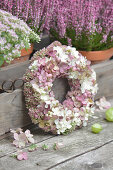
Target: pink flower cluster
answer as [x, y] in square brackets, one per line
[84, 16]
[36, 13]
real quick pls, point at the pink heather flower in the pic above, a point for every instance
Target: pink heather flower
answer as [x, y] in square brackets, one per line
[81, 16]
[36, 13]
[69, 41]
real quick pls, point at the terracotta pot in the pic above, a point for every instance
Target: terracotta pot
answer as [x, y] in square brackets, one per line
[98, 55]
[29, 51]
[24, 56]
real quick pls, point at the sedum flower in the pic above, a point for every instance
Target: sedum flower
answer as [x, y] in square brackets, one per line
[15, 35]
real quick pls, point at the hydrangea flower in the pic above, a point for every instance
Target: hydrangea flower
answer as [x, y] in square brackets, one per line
[20, 155]
[22, 138]
[102, 104]
[44, 109]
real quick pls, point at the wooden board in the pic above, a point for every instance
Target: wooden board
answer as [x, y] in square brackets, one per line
[13, 71]
[101, 158]
[104, 73]
[81, 150]
[13, 113]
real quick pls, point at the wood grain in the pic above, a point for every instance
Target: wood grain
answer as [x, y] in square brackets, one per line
[104, 73]
[76, 145]
[13, 71]
[13, 113]
[101, 158]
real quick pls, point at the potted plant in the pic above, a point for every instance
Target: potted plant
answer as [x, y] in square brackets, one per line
[86, 25]
[37, 14]
[16, 39]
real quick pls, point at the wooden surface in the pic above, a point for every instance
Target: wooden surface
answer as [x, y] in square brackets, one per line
[104, 73]
[13, 112]
[13, 71]
[82, 150]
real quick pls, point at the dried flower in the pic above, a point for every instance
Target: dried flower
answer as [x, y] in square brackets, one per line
[44, 109]
[102, 104]
[20, 155]
[22, 138]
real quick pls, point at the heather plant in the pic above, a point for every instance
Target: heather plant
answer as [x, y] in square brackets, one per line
[37, 13]
[14, 36]
[84, 24]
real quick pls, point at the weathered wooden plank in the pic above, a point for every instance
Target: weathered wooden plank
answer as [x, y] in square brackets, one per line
[104, 72]
[6, 146]
[101, 158]
[75, 144]
[13, 71]
[13, 113]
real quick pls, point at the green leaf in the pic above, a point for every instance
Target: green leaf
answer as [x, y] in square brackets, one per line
[1, 59]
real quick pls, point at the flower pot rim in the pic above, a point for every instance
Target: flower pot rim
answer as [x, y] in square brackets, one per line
[25, 54]
[96, 51]
[98, 55]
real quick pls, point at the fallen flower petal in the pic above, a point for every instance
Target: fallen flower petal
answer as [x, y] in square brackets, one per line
[102, 104]
[16, 136]
[22, 156]
[57, 145]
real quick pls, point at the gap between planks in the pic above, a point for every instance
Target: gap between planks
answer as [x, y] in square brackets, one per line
[70, 159]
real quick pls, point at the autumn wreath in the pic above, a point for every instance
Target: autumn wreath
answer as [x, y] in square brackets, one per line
[47, 65]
